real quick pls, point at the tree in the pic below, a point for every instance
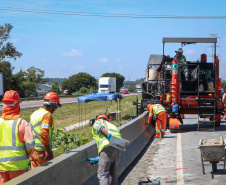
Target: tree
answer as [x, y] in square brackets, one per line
[132, 90]
[223, 85]
[119, 79]
[7, 51]
[6, 69]
[84, 90]
[75, 82]
[55, 88]
[25, 82]
[17, 83]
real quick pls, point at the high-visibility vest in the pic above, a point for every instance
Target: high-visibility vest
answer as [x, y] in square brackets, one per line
[36, 126]
[13, 155]
[101, 140]
[183, 63]
[157, 108]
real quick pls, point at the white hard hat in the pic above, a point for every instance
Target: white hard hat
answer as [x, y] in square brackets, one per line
[180, 50]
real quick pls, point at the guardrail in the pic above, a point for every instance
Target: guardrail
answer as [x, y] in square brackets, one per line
[73, 167]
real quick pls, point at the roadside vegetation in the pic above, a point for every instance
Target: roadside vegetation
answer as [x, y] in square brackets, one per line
[69, 115]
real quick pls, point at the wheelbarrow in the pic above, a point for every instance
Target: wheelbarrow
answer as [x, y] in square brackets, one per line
[213, 151]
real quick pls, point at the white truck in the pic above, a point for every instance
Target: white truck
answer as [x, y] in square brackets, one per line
[1, 84]
[106, 85]
[138, 89]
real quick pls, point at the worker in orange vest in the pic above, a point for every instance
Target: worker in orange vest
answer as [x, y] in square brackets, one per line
[224, 102]
[16, 139]
[159, 112]
[42, 125]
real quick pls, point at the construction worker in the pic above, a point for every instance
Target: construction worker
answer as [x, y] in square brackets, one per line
[224, 102]
[16, 139]
[108, 156]
[159, 112]
[42, 125]
[182, 63]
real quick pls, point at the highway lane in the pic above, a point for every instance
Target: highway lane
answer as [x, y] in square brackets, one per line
[39, 103]
[176, 158]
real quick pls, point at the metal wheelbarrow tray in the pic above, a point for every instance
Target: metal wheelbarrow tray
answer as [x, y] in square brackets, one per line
[213, 151]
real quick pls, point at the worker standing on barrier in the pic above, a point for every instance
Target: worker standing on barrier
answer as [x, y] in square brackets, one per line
[159, 113]
[16, 139]
[108, 156]
[182, 63]
[42, 127]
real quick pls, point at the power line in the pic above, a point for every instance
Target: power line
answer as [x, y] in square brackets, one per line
[108, 14]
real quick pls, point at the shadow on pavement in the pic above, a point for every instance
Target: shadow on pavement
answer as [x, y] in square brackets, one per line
[136, 160]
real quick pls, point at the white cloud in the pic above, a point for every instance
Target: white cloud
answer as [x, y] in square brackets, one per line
[80, 67]
[110, 68]
[120, 67]
[15, 40]
[72, 53]
[63, 65]
[103, 60]
[190, 52]
[118, 59]
[44, 60]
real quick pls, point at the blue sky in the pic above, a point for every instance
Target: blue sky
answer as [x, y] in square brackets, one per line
[64, 45]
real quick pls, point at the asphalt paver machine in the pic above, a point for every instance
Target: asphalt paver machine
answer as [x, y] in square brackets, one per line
[199, 93]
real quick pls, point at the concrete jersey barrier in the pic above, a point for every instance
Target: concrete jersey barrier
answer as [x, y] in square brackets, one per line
[73, 167]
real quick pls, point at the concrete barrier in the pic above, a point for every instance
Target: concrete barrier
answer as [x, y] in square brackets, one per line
[73, 167]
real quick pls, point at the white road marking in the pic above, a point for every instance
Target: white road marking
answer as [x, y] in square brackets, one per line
[180, 175]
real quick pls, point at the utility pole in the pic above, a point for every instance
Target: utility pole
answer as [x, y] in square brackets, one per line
[213, 35]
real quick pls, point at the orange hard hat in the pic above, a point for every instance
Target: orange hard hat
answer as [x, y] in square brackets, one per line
[10, 97]
[102, 116]
[52, 97]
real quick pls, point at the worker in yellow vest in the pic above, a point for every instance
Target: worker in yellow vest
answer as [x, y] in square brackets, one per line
[109, 156]
[224, 103]
[182, 63]
[16, 139]
[42, 125]
[159, 113]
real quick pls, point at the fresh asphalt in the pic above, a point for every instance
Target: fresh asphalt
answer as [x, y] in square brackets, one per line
[176, 157]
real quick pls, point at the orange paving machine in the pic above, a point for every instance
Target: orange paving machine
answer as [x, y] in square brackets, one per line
[197, 93]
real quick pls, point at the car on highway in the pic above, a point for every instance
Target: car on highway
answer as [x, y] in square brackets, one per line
[126, 92]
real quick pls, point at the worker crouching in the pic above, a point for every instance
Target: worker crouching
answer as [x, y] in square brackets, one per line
[159, 113]
[108, 156]
[16, 139]
[42, 127]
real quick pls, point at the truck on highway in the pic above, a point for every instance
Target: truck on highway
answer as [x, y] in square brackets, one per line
[199, 93]
[106, 85]
[1, 84]
[138, 88]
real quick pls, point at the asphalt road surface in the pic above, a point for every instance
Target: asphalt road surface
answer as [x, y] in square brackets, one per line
[176, 157]
[39, 103]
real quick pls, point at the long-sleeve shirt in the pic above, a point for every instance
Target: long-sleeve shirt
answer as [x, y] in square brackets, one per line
[48, 121]
[150, 114]
[25, 136]
[224, 98]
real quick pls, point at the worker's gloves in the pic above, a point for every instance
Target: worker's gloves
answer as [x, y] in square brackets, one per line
[109, 137]
[93, 160]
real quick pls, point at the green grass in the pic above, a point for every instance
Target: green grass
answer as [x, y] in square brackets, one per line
[69, 114]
